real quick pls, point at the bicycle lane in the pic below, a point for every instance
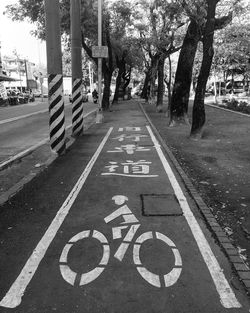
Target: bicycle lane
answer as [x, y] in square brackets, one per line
[126, 244]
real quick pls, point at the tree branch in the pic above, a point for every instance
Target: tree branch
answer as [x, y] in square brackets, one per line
[223, 21]
[88, 49]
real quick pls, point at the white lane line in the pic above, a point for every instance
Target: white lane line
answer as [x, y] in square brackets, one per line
[12, 119]
[14, 296]
[227, 296]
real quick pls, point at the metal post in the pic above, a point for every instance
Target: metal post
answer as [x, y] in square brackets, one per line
[1, 65]
[76, 57]
[99, 116]
[55, 78]
[26, 73]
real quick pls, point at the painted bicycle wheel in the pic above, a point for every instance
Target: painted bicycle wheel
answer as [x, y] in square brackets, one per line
[85, 278]
[168, 279]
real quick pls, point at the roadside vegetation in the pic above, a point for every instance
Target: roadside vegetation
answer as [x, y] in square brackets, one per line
[210, 37]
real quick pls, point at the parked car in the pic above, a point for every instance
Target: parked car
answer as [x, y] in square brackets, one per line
[220, 88]
[236, 86]
[37, 93]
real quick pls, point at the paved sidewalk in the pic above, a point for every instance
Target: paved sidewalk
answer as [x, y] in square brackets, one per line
[110, 227]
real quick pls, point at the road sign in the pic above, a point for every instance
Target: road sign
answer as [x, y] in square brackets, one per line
[100, 51]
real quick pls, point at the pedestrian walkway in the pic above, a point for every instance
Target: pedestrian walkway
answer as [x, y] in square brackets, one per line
[126, 236]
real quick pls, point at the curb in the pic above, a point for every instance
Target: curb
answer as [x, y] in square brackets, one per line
[238, 265]
[227, 110]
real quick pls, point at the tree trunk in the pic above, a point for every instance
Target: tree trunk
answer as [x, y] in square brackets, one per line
[183, 77]
[144, 93]
[107, 67]
[152, 78]
[106, 92]
[160, 90]
[117, 86]
[121, 69]
[126, 77]
[198, 119]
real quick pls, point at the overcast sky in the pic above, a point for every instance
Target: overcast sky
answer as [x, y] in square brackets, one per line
[16, 35]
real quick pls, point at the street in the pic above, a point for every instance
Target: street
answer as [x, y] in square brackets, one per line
[112, 230]
[26, 125]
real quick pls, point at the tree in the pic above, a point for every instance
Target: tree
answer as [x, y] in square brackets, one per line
[157, 24]
[197, 13]
[183, 76]
[198, 116]
[232, 50]
[122, 42]
[198, 119]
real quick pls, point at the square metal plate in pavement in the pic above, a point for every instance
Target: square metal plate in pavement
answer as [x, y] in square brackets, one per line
[160, 205]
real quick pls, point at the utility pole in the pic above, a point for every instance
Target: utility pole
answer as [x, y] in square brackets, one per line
[26, 74]
[1, 65]
[55, 77]
[99, 116]
[76, 59]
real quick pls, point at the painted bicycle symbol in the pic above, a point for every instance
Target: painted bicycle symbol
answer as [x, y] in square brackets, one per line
[131, 223]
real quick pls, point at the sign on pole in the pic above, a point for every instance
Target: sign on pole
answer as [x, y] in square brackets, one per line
[100, 52]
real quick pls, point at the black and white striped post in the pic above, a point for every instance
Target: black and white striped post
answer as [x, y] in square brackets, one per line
[76, 58]
[55, 77]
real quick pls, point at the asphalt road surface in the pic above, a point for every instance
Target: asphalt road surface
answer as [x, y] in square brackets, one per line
[109, 228]
[23, 126]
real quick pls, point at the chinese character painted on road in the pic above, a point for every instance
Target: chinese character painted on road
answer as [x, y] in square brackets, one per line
[129, 129]
[133, 137]
[129, 168]
[130, 149]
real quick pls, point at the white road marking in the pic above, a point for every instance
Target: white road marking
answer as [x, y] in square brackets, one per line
[119, 255]
[68, 274]
[14, 296]
[16, 118]
[12, 119]
[123, 211]
[154, 279]
[127, 239]
[117, 231]
[227, 296]
[128, 175]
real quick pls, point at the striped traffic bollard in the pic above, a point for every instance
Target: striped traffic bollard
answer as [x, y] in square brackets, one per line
[56, 110]
[77, 107]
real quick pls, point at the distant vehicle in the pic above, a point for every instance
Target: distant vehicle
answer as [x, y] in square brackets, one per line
[37, 93]
[236, 86]
[220, 88]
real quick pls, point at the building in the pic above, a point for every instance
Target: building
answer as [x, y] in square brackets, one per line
[21, 70]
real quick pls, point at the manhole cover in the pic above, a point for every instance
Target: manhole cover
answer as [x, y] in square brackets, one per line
[160, 205]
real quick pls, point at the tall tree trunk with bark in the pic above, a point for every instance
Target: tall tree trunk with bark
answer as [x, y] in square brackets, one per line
[126, 77]
[183, 77]
[168, 82]
[160, 90]
[144, 93]
[198, 118]
[152, 79]
[121, 69]
[107, 66]
[107, 74]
